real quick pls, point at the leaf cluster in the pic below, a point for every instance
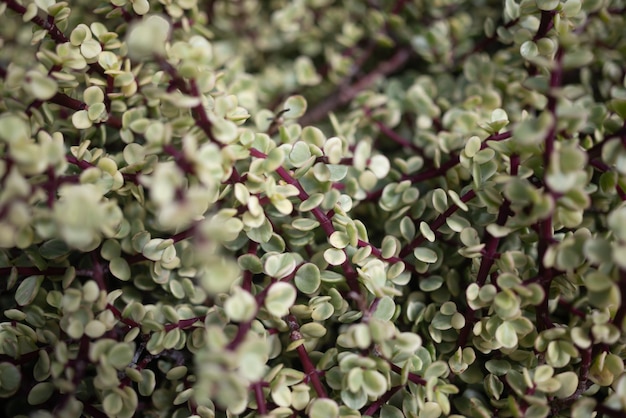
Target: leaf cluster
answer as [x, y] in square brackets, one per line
[312, 208]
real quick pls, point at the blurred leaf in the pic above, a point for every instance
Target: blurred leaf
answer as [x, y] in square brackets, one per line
[295, 107]
[241, 306]
[280, 297]
[323, 408]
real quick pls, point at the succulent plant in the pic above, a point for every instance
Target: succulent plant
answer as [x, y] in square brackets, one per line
[383, 208]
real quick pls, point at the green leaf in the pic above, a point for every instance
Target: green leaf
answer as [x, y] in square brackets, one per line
[79, 34]
[252, 356]
[569, 384]
[547, 5]
[120, 268]
[300, 154]
[379, 165]
[241, 306]
[40, 393]
[506, 305]
[430, 410]
[274, 160]
[543, 373]
[90, 49]
[313, 330]
[311, 203]
[141, 7]
[306, 73]
[112, 404]
[427, 232]
[148, 37]
[471, 148]
[430, 283]
[13, 129]
[619, 106]
[407, 228]
[539, 411]
[41, 85]
[81, 120]
[110, 249]
[408, 342]
[28, 289]
[425, 255]
[493, 386]
[498, 367]
[120, 355]
[279, 265]
[96, 112]
[436, 369]
[354, 399]
[281, 395]
[339, 239]
[617, 222]
[374, 383]
[506, 335]
[93, 95]
[559, 353]
[95, 329]
[323, 408]
[529, 50]
[571, 8]
[334, 256]
[295, 107]
[280, 298]
[577, 59]
[385, 309]
[304, 224]
[148, 382]
[10, 378]
[308, 278]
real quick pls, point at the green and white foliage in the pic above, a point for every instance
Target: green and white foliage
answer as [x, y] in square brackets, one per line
[320, 208]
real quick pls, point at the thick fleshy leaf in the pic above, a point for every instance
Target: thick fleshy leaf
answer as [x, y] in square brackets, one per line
[308, 278]
[28, 289]
[241, 306]
[506, 335]
[323, 408]
[280, 298]
[295, 107]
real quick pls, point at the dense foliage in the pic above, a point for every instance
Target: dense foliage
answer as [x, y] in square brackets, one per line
[323, 208]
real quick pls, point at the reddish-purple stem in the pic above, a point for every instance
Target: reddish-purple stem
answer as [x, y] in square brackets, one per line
[247, 274]
[346, 94]
[418, 380]
[117, 314]
[309, 369]
[53, 30]
[618, 321]
[27, 271]
[260, 398]
[378, 403]
[322, 218]
[545, 227]
[184, 323]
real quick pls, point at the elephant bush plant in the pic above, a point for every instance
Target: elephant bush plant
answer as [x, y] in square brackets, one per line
[312, 208]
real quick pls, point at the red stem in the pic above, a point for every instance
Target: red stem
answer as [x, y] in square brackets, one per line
[322, 218]
[309, 369]
[260, 398]
[375, 406]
